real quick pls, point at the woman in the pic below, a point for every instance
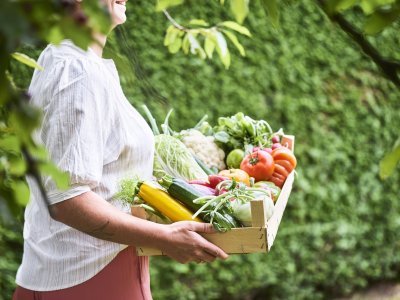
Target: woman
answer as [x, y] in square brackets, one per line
[82, 245]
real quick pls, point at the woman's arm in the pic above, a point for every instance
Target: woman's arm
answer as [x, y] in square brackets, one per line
[93, 215]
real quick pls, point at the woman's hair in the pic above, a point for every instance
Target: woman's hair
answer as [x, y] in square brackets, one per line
[129, 50]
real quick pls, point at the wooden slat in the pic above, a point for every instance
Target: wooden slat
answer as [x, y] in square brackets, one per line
[237, 240]
[258, 213]
[280, 205]
[288, 141]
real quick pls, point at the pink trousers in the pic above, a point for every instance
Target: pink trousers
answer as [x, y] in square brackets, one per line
[125, 278]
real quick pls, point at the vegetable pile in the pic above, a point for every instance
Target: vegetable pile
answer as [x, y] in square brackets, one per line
[191, 178]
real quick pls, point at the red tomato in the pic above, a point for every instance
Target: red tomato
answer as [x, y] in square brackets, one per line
[285, 162]
[281, 170]
[284, 154]
[278, 181]
[279, 176]
[259, 165]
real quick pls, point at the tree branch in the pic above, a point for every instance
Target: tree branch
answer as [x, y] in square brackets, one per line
[173, 22]
[34, 172]
[389, 67]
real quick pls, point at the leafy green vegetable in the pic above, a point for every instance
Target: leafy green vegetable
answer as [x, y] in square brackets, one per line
[171, 156]
[128, 189]
[240, 131]
[174, 158]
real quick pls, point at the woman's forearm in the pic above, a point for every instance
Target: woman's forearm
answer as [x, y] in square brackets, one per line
[93, 215]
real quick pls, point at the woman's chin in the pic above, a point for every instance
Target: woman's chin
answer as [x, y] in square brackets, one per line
[118, 14]
[119, 19]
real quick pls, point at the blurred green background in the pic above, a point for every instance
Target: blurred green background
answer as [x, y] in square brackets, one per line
[341, 228]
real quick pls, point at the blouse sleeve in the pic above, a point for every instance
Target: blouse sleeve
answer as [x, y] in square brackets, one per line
[74, 129]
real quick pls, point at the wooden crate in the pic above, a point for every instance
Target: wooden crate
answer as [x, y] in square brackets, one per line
[258, 238]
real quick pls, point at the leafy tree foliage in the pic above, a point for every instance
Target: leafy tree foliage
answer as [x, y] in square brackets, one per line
[34, 23]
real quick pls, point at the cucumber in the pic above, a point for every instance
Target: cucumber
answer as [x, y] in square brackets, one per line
[182, 191]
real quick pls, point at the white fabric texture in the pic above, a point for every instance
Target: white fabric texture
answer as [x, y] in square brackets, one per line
[93, 133]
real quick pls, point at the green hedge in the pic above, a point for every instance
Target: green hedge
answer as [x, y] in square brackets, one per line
[341, 228]
[10, 258]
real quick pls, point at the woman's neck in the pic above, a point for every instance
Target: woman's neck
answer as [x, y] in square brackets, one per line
[98, 43]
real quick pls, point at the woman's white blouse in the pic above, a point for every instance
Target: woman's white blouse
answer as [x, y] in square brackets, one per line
[93, 133]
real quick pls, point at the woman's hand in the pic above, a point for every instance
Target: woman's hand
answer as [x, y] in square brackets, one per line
[185, 244]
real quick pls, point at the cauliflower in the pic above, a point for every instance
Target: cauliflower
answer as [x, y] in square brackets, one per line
[204, 148]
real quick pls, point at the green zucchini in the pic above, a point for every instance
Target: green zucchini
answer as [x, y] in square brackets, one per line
[182, 191]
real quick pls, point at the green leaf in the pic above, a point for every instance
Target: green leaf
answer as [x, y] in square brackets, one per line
[175, 45]
[21, 191]
[235, 41]
[380, 19]
[99, 18]
[271, 8]
[4, 165]
[39, 153]
[10, 80]
[9, 208]
[222, 50]
[25, 59]
[198, 22]
[81, 36]
[24, 121]
[185, 44]
[389, 162]
[240, 9]
[209, 45]
[55, 35]
[10, 143]
[172, 33]
[222, 136]
[235, 26]
[60, 178]
[17, 166]
[369, 6]
[195, 47]
[164, 4]
[222, 47]
[342, 5]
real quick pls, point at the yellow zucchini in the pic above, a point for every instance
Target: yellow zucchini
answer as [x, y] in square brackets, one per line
[164, 203]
